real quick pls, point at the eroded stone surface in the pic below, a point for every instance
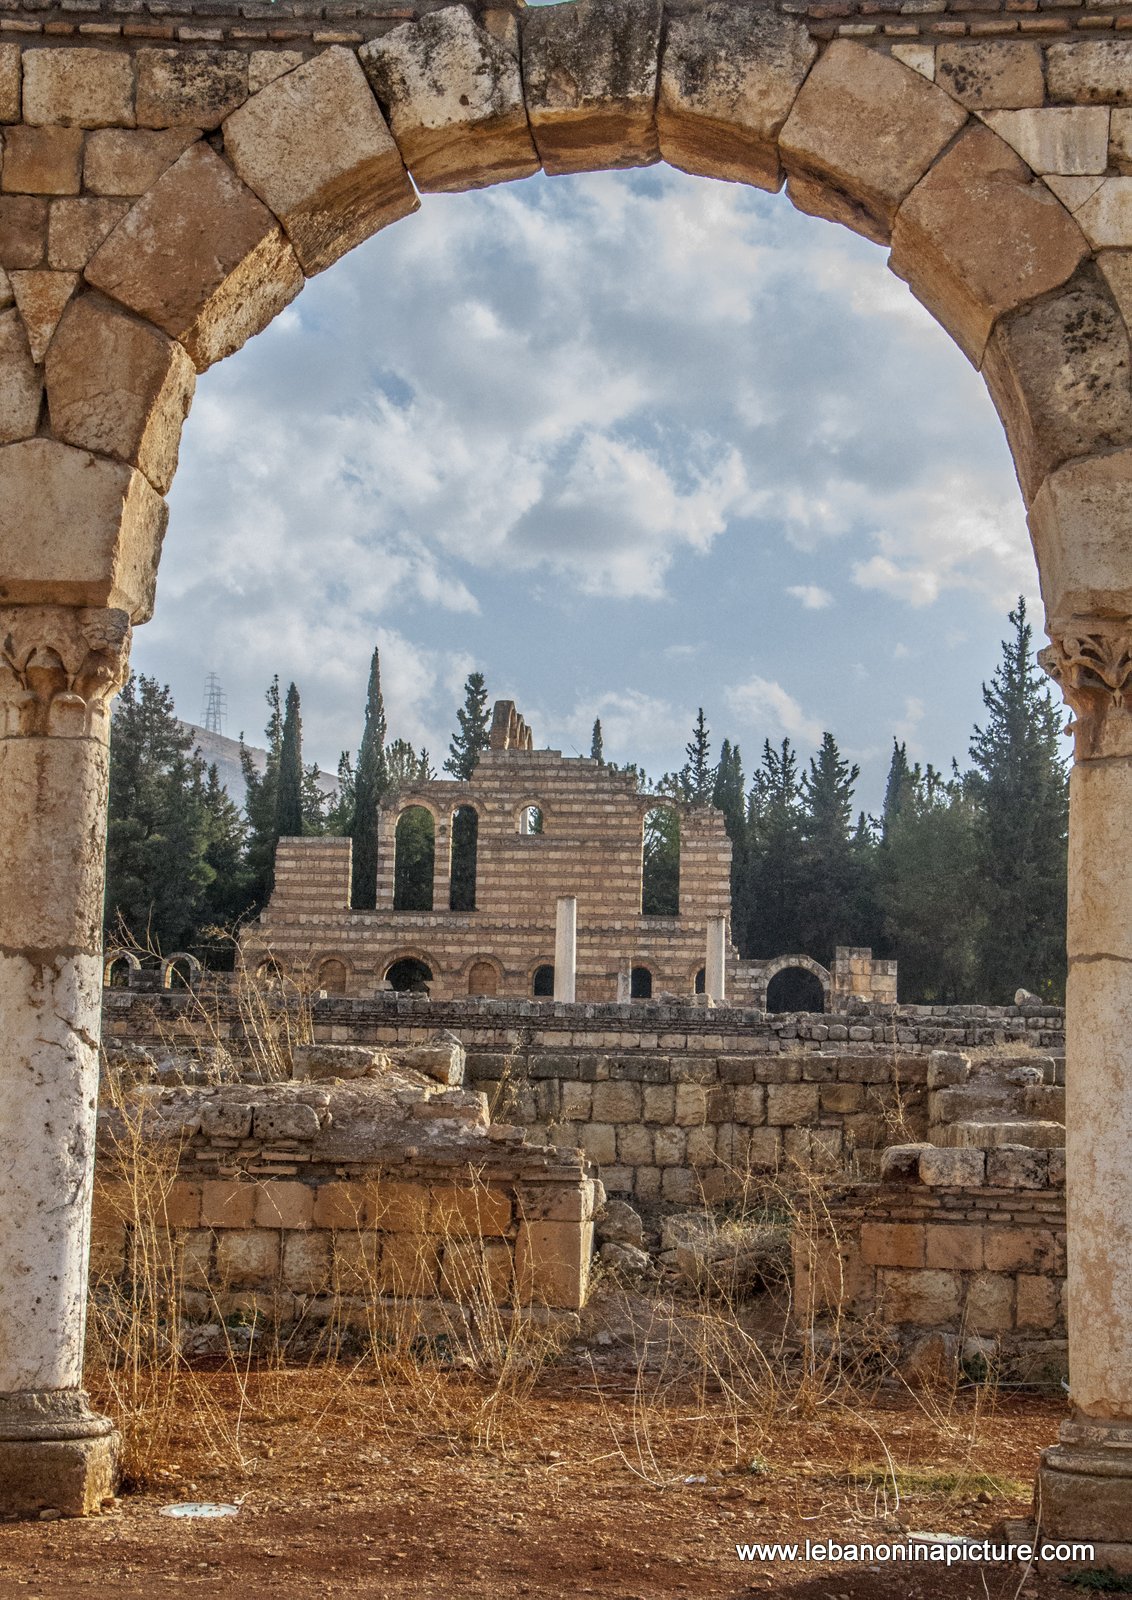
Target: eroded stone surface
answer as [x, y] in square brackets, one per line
[77, 530]
[264, 66]
[1081, 525]
[979, 236]
[42, 160]
[729, 77]
[41, 297]
[454, 98]
[79, 88]
[23, 230]
[1090, 72]
[126, 161]
[190, 88]
[1072, 140]
[314, 146]
[9, 83]
[200, 256]
[1058, 371]
[21, 387]
[119, 386]
[992, 74]
[590, 79]
[868, 127]
[1105, 217]
[76, 228]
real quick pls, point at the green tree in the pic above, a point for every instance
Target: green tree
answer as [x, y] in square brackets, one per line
[404, 765]
[227, 895]
[472, 734]
[370, 787]
[414, 861]
[769, 923]
[697, 776]
[340, 813]
[1020, 783]
[898, 788]
[289, 791]
[830, 859]
[660, 871]
[729, 796]
[157, 869]
[597, 744]
[261, 801]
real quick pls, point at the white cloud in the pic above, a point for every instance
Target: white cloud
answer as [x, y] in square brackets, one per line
[767, 705]
[811, 596]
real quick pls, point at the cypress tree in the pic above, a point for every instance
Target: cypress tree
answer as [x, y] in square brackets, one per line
[697, 778]
[898, 788]
[472, 735]
[261, 793]
[289, 794]
[597, 745]
[371, 784]
[1020, 783]
[829, 911]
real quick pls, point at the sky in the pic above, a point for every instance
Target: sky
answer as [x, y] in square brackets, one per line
[629, 443]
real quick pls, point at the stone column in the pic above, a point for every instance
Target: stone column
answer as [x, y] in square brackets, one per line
[715, 963]
[59, 670]
[1085, 1482]
[624, 984]
[565, 948]
[441, 863]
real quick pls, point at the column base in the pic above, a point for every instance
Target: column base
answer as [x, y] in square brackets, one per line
[1084, 1488]
[56, 1454]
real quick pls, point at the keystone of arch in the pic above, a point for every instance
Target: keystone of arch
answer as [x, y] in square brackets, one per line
[729, 76]
[77, 529]
[454, 98]
[314, 146]
[200, 256]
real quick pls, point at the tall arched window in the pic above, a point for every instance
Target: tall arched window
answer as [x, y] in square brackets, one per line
[542, 985]
[640, 984]
[414, 860]
[660, 863]
[462, 879]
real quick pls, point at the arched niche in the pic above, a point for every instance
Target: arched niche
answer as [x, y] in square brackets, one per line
[409, 975]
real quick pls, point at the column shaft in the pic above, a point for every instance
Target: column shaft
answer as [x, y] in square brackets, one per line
[565, 948]
[715, 963]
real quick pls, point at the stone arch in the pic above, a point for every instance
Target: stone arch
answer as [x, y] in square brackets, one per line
[414, 858]
[530, 819]
[540, 980]
[771, 970]
[640, 982]
[484, 976]
[115, 958]
[410, 963]
[332, 974]
[181, 970]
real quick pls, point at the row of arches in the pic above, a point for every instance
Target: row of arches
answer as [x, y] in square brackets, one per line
[123, 969]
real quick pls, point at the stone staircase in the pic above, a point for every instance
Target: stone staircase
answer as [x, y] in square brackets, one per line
[987, 1105]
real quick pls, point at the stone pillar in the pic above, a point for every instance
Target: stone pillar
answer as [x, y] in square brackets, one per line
[1085, 1483]
[441, 863]
[715, 963]
[624, 984]
[59, 670]
[565, 948]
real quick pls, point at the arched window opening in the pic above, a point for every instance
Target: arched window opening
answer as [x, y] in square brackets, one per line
[332, 976]
[530, 820]
[462, 880]
[542, 987]
[409, 976]
[180, 972]
[118, 970]
[795, 989]
[640, 984]
[483, 979]
[414, 860]
[701, 981]
[660, 869]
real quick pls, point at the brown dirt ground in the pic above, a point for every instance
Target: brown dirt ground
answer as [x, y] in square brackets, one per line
[352, 1489]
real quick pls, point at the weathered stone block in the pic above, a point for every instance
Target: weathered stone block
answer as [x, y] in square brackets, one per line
[201, 257]
[670, 1145]
[590, 82]
[402, 1207]
[122, 388]
[1105, 217]
[1065, 139]
[552, 1262]
[315, 148]
[868, 127]
[474, 1210]
[691, 1105]
[701, 1148]
[926, 1298]
[728, 79]
[264, 66]
[635, 1146]
[77, 530]
[992, 74]
[978, 236]
[409, 1264]
[617, 1102]
[182, 1204]
[759, 1149]
[79, 88]
[952, 1169]
[42, 161]
[842, 1098]
[121, 161]
[680, 1186]
[1017, 1168]
[226, 1119]
[9, 83]
[1014, 1249]
[957, 1246]
[318, 1062]
[791, 1105]
[750, 1103]
[577, 1102]
[283, 1205]
[599, 1141]
[190, 88]
[21, 386]
[246, 1258]
[225, 1204]
[23, 231]
[72, 1476]
[659, 1102]
[306, 1259]
[1090, 72]
[344, 1205]
[479, 1271]
[1077, 520]
[454, 99]
[947, 1068]
[1058, 373]
[900, 1163]
[290, 1120]
[892, 1244]
[990, 1303]
[1036, 1303]
[76, 228]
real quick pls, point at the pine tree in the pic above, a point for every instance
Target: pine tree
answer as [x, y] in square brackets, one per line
[831, 878]
[697, 777]
[403, 765]
[472, 735]
[341, 812]
[289, 795]
[1020, 783]
[597, 744]
[768, 914]
[897, 789]
[261, 801]
[227, 896]
[370, 787]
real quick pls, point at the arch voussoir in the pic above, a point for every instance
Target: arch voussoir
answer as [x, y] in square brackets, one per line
[590, 82]
[314, 147]
[21, 383]
[453, 94]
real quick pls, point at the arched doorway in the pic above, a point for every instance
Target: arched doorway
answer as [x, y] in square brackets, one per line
[542, 982]
[795, 989]
[409, 975]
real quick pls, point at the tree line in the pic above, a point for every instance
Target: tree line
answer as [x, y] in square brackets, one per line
[962, 876]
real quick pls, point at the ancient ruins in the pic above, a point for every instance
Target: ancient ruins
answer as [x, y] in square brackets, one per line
[172, 174]
[554, 905]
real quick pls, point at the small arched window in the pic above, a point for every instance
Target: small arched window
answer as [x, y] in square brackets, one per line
[542, 985]
[640, 984]
[414, 860]
[530, 821]
[180, 971]
[483, 979]
[701, 981]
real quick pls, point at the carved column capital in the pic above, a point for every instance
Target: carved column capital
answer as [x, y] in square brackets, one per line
[60, 668]
[1091, 663]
